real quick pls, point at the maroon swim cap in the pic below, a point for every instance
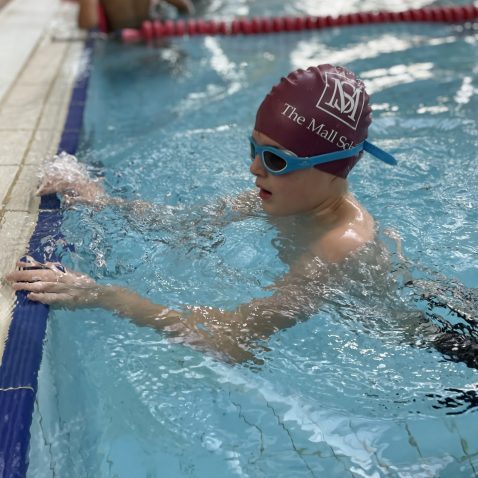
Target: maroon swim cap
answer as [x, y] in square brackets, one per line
[316, 111]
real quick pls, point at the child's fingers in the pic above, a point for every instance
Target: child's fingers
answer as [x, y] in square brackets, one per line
[42, 265]
[44, 189]
[55, 266]
[33, 275]
[47, 298]
[29, 263]
[51, 185]
[39, 286]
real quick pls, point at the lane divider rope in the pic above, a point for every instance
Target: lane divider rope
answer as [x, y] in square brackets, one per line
[156, 29]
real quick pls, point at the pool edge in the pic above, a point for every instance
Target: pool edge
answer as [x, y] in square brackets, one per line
[52, 100]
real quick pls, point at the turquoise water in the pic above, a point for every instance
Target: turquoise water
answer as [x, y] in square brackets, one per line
[349, 392]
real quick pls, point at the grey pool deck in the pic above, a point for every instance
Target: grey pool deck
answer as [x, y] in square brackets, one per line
[39, 55]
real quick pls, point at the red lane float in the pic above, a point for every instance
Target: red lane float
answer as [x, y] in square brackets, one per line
[151, 30]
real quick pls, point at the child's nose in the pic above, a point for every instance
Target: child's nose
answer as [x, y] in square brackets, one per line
[256, 167]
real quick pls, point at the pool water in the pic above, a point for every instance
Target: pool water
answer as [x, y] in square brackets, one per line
[354, 390]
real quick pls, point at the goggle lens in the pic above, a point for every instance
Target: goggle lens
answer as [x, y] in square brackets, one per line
[272, 161]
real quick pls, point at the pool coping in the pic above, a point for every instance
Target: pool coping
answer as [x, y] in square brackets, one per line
[35, 84]
[38, 79]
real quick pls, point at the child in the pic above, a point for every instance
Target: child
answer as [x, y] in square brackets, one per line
[110, 15]
[310, 131]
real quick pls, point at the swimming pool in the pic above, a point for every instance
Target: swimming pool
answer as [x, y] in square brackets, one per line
[346, 393]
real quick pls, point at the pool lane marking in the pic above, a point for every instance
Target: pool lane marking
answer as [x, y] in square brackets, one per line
[10, 389]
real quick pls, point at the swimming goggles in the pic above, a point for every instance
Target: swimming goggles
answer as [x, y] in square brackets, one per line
[277, 161]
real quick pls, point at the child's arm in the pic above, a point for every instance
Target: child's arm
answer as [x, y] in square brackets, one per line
[228, 334]
[88, 14]
[63, 174]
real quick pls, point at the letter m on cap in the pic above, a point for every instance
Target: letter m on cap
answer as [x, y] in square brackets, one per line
[341, 99]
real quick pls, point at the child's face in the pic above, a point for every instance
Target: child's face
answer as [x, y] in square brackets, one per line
[298, 192]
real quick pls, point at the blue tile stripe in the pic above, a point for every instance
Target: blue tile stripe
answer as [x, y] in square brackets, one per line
[23, 349]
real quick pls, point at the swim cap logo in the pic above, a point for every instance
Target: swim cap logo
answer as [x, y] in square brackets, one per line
[341, 99]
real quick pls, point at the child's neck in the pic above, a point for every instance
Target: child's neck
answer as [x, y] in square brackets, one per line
[303, 228]
[331, 210]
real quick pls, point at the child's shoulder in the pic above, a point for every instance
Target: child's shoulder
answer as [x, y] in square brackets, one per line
[345, 237]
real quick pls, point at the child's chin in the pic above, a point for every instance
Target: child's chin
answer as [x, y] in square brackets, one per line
[274, 211]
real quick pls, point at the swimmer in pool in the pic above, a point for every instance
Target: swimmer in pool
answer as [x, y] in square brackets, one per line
[110, 15]
[310, 131]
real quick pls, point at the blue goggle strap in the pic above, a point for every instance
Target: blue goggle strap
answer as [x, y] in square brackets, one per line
[379, 153]
[347, 153]
[329, 157]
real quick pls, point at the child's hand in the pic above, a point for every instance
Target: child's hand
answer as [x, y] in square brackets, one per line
[79, 192]
[49, 283]
[65, 175]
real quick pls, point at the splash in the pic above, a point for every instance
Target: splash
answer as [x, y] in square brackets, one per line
[60, 173]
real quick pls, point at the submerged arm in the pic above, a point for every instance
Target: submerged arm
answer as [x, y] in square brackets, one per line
[229, 334]
[65, 175]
